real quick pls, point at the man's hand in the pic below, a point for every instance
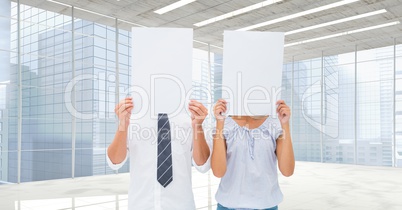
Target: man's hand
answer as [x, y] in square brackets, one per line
[219, 109]
[123, 112]
[283, 112]
[198, 113]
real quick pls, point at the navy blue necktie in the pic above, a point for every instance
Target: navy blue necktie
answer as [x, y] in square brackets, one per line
[165, 170]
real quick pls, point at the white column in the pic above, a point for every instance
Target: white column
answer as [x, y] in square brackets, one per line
[322, 105]
[394, 155]
[73, 99]
[355, 112]
[19, 123]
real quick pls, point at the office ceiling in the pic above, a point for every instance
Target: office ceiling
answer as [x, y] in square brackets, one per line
[142, 13]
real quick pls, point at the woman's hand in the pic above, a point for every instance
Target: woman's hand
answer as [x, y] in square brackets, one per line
[218, 157]
[219, 108]
[284, 147]
[123, 112]
[198, 113]
[283, 112]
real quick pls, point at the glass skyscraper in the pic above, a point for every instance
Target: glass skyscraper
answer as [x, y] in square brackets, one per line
[343, 108]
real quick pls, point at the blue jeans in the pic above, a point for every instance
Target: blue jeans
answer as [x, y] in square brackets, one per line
[220, 207]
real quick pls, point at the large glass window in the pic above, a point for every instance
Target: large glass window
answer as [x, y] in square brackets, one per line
[338, 108]
[46, 70]
[398, 103]
[8, 83]
[48, 103]
[306, 109]
[375, 70]
[364, 89]
[52, 50]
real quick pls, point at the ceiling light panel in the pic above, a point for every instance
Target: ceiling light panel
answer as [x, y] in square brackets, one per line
[296, 15]
[336, 22]
[237, 12]
[56, 2]
[173, 6]
[344, 33]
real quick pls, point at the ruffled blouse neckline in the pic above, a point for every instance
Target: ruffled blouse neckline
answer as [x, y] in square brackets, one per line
[263, 126]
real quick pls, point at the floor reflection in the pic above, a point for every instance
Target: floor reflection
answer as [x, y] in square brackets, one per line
[118, 202]
[96, 192]
[314, 186]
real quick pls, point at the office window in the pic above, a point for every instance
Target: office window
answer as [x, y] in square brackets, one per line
[323, 90]
[398, 104]
[332, 116]
[375, 68]
[306, 109]
[338, 106]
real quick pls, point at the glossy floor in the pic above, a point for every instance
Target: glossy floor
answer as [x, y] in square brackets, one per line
[313, 186]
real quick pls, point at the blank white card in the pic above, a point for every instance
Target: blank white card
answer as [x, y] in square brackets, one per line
[161, 70]
[252, 72]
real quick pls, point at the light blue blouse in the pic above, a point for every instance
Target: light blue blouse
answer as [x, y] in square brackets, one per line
[251, 178]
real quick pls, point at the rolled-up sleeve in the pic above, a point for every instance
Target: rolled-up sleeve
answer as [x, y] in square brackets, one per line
[118, 165]
[207, 165]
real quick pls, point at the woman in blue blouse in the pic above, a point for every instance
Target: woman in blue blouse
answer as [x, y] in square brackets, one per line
[245, 153]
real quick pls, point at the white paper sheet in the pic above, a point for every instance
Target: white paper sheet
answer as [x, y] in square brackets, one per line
[161, 70]
[252, 72]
